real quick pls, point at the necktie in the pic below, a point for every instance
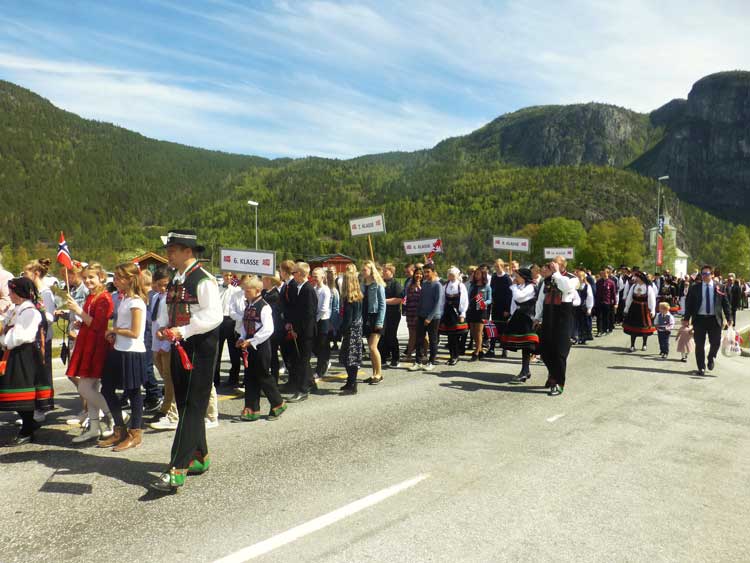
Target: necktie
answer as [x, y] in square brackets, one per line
[155, 312]
[708, 300]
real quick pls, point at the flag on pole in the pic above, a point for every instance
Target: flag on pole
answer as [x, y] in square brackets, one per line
[63, 253]
[435, 247]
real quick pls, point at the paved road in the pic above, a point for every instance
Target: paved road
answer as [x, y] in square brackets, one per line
[637, 461]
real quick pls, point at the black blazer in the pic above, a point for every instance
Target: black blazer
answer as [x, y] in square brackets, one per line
[694, 299]
[302, 310]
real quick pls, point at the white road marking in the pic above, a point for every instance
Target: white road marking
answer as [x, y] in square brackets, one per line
[556, 417]
[279, 540]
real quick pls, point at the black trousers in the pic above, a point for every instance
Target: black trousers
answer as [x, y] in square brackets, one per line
[192, 390]
[454, 345]
[706, 325]
[555, 340]
[303, 374]
[388, 344]
[431, 331]
[227, 334]
[322, 348]
[663, 336]
[275, 365]
[258, 377]
[605, 318]
[289, 357]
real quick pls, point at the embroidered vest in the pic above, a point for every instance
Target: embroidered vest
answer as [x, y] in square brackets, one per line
[251, 318]
[552, 295]
[181, 296]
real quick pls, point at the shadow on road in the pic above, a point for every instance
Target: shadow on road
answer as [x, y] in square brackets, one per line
[74, 462]
[657, 370]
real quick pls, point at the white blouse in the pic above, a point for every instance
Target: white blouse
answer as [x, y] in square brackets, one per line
[642, 289]
[521, 294]
[23, 324]
[125, 320]
[456, 287]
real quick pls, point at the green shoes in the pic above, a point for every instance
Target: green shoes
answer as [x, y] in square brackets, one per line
[249, 415]
[198, 467]
[276, 412]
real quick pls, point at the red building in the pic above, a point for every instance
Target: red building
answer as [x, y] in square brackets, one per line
[337, 261]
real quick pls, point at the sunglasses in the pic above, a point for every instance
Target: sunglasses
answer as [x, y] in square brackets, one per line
[706, 273]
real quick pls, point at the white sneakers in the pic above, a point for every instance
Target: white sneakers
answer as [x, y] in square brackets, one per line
[164, 423]
[78, 420]
[429, 367]
[212, 423]
[415, 367]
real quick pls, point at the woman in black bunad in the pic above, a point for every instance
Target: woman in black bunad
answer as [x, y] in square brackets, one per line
[24, 382]
[640, 308]
[520, 333]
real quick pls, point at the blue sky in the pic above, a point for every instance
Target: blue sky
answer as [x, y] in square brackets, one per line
[341, 79]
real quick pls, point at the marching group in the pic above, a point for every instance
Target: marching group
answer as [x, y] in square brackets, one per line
[178, 320]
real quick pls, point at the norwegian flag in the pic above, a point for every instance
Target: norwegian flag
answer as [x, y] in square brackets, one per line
[481, 303]
[235, 281]
[490, 331]
[63, 253]
[437, 245]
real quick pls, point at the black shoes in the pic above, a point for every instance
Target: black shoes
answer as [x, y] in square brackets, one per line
[490, 353]
[152, 405]
[710, 364]
[20, 440]
[701, 371]
[297, 398]
[452, 361]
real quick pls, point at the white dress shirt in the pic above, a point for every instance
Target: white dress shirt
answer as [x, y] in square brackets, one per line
[702, 308]
[228, 294]
[263, 329]
[324, 303]
[567, 287]
[206, 315]
[23, 324]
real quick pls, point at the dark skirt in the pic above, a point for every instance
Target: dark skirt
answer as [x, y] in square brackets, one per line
[449, 323]
[26, 385]
[519, 332]
[638, 320]
[351, 346]
[369, 325]
[474, 315]
[125, 370]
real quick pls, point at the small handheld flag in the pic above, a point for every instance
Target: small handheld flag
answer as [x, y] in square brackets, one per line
[63, 253]
[435, 247]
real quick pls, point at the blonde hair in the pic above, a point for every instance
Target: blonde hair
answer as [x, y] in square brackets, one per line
[100, 272]
[147, 276]
[305, 267]
[351, 291]
[287, 267]
[276, 282]
[322, 273]
[664, 305]
[390, 267]
[132, 273]
[40, 267]
[374, 272]
[252, 282]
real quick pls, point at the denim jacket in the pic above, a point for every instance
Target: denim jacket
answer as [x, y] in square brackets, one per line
[375, 301]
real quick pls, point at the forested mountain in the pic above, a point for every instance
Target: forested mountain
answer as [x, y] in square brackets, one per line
[114, 191]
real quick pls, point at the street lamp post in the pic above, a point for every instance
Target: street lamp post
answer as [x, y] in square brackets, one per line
[659, 226]
[255, 205]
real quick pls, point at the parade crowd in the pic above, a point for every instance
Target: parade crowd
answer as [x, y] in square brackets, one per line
[281, 331]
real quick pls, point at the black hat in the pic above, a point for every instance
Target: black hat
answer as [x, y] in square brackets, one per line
[183, 237]
[23, 287]
[644, 277]
[525, 273]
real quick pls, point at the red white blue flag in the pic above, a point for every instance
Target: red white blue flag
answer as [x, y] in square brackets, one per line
[63, 253]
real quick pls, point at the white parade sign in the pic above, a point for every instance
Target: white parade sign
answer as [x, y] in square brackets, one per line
[567, 253]
[510, 243]
[261, 262]
[367, 225]
[423, 246]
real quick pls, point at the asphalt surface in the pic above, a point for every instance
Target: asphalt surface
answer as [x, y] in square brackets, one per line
[639, 460]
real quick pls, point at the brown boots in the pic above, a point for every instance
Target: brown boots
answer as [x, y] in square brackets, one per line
[119, 434]
[122, 439]
[132, 440]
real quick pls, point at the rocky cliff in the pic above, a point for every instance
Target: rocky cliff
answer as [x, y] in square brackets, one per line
[705, 150]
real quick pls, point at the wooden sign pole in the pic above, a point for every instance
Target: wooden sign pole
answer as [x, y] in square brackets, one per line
[372, 254]
[510, 256]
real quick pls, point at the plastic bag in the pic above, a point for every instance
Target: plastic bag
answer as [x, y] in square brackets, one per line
[730, 344]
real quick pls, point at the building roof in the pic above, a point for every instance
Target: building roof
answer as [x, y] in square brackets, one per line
[680, 254]
[329, 257]
[150, 256]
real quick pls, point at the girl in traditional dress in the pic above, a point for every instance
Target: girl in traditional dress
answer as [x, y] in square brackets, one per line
[25, 386]
[350, 355]
[90, 352]
[520, 333]
[453, 322]
[640, 308]
[480, 300]
[582, 313]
